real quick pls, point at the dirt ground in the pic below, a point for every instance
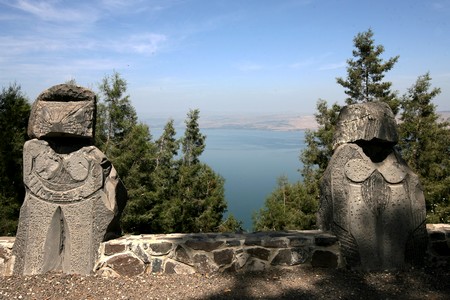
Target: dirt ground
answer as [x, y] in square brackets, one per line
[302, 283]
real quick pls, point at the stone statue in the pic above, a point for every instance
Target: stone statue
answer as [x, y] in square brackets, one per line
[74, 196]
[370, 198]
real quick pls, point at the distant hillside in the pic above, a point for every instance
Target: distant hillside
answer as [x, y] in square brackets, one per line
[277, 122]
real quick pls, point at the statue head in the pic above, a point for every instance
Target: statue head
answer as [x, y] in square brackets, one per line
[64, 110]
[366, 122]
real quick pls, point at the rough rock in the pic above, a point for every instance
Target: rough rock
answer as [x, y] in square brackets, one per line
[370, 199]
[126, 265]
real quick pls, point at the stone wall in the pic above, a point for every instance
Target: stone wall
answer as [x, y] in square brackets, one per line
[208, 253]
[215, 252]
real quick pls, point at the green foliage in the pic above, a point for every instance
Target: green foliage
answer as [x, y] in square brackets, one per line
[365, 73]
[288, 207]
[134, 160]
[193, 142]
[14, 114]
[196, 202]
[231, 224]
[116, 116]
[425, 146]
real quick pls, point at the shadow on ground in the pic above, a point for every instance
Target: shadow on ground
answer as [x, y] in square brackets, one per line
[309, 283]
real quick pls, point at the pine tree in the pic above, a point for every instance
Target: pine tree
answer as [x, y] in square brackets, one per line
[425, 146]
[288, 207]
[14, 114]
[197, 201]
[135, 157]
[115, 115]
[193, 142]
[365, 73]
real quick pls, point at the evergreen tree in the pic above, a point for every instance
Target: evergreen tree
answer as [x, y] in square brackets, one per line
[128, 145]
[425, 146]
[135, 157]
[197, 202]
[115, 115]
[288, 207]
[193, 142]
[14, 114]
[365, 73]
[231, 224]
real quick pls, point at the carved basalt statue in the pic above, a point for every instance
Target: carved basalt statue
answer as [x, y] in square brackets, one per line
[74, 196]
[370, 198]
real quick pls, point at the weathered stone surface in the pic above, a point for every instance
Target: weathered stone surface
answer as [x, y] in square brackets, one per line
[299, 241]
[324, 259]
[160, 249]
[241, 259]
[175, 267]
[223, 257]
[253, 241]
[204, 264]
[290, 257]
[205, 245]
[233, 243]
[366, 122]
[157, 265]
[283, 257]
[141, 253]
[111, 249]
[255, 265]
[126, 265]
[325, 240]
[63, 111]
[183, 256]
[259, 252]
[370, 198]
[276, 243]
[74, 196]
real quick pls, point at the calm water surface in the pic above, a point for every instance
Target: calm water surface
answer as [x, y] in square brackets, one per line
[251, 161]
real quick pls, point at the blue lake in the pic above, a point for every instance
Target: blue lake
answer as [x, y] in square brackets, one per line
[251, 162]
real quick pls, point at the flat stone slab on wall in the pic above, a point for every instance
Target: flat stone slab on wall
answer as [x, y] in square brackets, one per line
[214, 252]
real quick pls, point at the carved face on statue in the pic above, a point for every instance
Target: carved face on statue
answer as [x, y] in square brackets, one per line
[370, 198]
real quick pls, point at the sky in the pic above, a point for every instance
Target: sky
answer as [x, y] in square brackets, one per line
[222, 57]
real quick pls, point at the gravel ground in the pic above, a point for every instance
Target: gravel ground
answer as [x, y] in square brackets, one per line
[302, 283]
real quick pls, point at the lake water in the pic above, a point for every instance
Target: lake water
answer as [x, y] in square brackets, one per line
[250, 161]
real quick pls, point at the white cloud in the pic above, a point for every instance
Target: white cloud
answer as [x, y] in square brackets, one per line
[51, 11]
[333, 66]
[148, 43]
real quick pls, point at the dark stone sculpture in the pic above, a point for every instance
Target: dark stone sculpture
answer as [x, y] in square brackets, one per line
[370, 198]
[74, 196]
